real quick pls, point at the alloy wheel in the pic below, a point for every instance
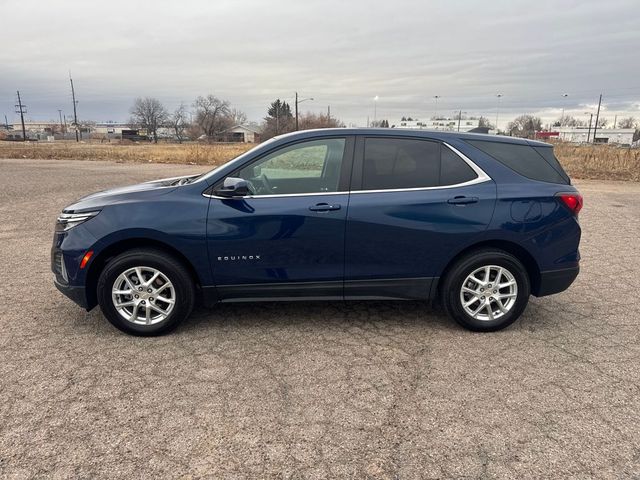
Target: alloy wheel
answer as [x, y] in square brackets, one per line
[489, 292]
[143, 295]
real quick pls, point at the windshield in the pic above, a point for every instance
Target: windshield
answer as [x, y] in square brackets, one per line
[236, 159]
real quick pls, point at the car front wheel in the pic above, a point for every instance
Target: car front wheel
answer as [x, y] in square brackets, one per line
[145, 292]
[486, 291]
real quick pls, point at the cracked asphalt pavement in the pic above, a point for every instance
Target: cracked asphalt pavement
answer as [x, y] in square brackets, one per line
[384, 390]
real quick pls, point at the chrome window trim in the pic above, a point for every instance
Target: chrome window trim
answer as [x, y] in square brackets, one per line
[276, 195]
[481, 178]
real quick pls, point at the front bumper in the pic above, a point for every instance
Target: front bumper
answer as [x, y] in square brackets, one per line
[555, 281]
[77, 294]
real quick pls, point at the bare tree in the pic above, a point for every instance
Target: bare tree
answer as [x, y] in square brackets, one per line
[524, 126]
[180, 122]
[237, 117]
[150, 114]
[569, 121]
[629, 122]
[485, 123]
[212, 115]
[311, 120]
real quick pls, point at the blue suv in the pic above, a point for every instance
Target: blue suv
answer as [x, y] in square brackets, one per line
[479, 222]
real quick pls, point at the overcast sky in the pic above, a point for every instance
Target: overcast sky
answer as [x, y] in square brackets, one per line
[341, 53]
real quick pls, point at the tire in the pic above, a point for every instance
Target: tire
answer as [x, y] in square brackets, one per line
[460, 304]
[173, 287]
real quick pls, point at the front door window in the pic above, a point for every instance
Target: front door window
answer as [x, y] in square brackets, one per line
[303, 168]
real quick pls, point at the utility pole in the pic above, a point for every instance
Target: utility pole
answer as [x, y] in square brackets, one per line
[595, 127]
[589, 131]
[615, 121]
[61, 126]
[75, 113]
[65, 124]
[328, 115]
[6, 123]
[21, 109]
[459, 117]
[278, 115]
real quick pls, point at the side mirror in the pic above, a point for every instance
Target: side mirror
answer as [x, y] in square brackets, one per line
[234, 187]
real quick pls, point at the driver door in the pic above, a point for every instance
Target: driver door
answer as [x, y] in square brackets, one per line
[286, 238]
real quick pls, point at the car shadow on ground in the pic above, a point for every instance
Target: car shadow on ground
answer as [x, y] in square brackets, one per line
[314, 313]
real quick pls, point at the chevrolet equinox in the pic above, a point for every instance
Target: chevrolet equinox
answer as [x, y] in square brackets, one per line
[478, 222]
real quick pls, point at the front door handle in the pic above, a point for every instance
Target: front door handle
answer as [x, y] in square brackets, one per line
[462, 200]
[324, 207]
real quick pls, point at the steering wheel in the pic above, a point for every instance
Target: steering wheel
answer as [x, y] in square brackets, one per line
[265, 182]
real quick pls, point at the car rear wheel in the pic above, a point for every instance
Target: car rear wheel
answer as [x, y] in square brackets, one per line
[486, 290]
[145, 292]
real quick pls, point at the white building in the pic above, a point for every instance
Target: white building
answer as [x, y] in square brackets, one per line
[110, 128]
[448, 124]
[603, 135]
[241, 133]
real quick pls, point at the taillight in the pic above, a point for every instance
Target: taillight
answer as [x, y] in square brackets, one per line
[573, 201]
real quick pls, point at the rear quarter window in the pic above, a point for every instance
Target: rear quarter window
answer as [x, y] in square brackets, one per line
[453, 169]
[536, 163]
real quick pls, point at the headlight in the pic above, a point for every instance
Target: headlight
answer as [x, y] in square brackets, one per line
[67, 221]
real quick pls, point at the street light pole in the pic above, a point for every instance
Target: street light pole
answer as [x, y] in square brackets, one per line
[61, 126]
[460, 118]
[564, 95]
[499, 95]
[436, 97]
[375, 111]
[297, 102]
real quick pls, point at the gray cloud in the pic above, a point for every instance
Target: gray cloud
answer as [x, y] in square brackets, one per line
[341, 53]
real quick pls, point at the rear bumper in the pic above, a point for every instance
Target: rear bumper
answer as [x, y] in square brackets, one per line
[555, 281]
[77, 294]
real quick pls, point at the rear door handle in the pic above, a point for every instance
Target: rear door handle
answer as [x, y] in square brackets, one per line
[462, 200]
[324, 207]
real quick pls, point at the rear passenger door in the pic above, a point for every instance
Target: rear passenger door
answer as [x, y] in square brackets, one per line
[413, 204]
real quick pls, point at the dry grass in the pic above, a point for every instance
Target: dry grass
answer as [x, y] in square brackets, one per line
[192, 153]
[601, 162]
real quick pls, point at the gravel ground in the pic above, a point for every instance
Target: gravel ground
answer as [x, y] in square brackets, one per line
[314, 390]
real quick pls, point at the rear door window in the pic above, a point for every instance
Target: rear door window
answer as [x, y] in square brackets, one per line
[393, 163]
[402, 163]
[525, 160]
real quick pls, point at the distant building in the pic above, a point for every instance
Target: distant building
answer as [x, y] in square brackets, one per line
[110, 128]
[440, 123]
[603, 135]
[44, 130]
[546, 135]
[241, 134]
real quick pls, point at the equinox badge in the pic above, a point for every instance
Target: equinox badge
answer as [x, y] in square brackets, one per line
[234, 258]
